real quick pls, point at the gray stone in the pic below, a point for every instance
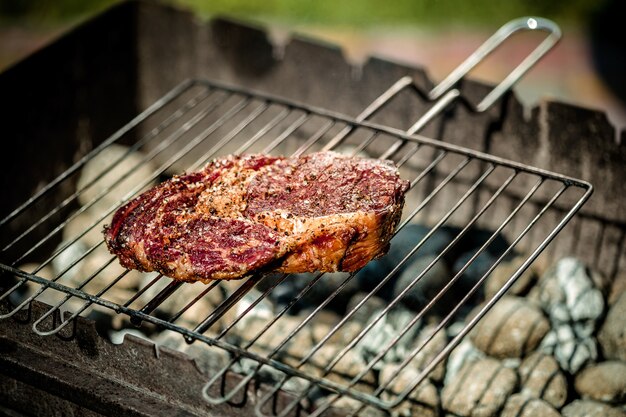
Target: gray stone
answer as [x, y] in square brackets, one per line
[542, 378]
[569, 296]
[513, 328]
[461, 355]
[571, 351]
[587, 408]
[503, 272]
[519, 405]
[383, 331]
[423, 400]
[604, 381]
[110, 181]
[481, 388]
[612, 335]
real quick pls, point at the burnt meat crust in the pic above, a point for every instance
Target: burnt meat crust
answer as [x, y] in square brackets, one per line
[242, 214]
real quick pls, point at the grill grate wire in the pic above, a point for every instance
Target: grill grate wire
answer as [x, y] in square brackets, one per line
[212, 119]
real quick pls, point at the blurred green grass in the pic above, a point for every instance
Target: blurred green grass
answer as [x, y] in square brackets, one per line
[348, 13]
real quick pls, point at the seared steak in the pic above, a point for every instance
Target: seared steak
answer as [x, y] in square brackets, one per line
[242, 214]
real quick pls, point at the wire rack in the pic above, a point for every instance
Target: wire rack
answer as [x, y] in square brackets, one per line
[60, 257]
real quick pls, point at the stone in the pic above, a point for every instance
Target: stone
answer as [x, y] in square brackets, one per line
[568, 295]
[513, 328]
[428, 285]
[481, 388]
[111, 175]
[383, 331]
[503, 272]
[587, 408]
[519, 405]
[605, 381]
[541, 377]
[423, 400]
[461, 355]
[612, 335]
[428, 352]
[571, 351]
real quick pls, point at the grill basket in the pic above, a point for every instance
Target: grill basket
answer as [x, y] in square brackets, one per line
[455, 191]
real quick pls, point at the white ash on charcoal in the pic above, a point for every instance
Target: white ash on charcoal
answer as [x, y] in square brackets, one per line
[587, 408]
[348, 367]
[422, 401]
[383, 331]
[428, 352]
[568, 295]
[67, 262]
[513, 328]
[504, 271]
[481, 388]
[271, 338]
[347, 405]
[462, 355]
[270, 375]
[111, 175]
[605, 381]
[571, 351]
[519, 405]
[342, 336]
[94, 271]
[612, 337]
[541, 378]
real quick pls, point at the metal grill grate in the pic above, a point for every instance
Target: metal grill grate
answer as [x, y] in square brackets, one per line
[452, 189]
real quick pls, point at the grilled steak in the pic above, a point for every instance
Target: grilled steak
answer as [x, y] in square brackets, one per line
[241, 214]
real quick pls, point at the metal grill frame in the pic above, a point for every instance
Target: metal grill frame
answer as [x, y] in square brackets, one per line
[443, 97]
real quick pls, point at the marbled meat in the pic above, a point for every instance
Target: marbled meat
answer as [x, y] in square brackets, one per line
[257, 213]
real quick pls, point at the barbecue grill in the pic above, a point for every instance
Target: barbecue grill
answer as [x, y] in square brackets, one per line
[451, 186]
